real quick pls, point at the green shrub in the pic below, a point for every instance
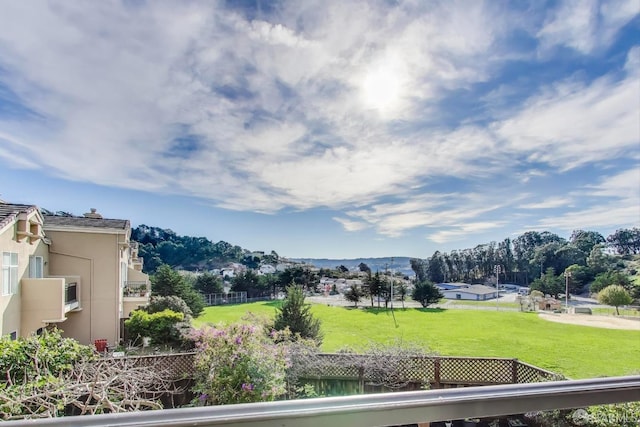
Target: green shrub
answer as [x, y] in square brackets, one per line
[172, 302]
[39, 357]
[616, 415]
[161, 327]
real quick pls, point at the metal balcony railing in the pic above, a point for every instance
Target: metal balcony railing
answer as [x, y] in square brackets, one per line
[136, 289]
[385, 409]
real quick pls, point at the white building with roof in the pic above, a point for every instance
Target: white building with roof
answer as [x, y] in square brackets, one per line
[471, 293]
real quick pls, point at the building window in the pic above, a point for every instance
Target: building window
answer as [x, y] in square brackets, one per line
[9, 273]
[123, 274]
[36, 267]
[13, 336]
[458, 296]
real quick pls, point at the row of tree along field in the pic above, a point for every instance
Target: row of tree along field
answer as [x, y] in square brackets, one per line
[522, 259]
[545, 261]
[529, 255]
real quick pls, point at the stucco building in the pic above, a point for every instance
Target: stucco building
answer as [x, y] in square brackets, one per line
[82, 274]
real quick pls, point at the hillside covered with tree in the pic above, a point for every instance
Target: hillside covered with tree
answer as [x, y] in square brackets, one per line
[163, 246]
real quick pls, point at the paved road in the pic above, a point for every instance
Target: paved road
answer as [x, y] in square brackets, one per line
[339, 300]
[510, 297]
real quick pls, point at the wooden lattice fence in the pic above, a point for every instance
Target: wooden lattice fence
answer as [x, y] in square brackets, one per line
[175, 366]
[356, 372]
[332, 374]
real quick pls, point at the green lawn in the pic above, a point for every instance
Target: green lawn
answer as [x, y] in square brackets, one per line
[574, 351]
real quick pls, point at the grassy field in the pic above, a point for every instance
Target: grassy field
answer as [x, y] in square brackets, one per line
[574, 351]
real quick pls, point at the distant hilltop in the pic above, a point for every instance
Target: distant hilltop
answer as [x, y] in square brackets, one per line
[399, 263]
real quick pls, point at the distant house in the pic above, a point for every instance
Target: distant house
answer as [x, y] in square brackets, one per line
[470, 293]
[228, 272]
[267, 269]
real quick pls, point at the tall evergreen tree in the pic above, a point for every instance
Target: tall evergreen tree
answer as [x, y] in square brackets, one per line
[354, 294]
[208, 283]
[426, 293]
[297, 316]
[168, 282]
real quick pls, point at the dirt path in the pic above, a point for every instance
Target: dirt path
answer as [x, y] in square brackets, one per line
[609, 322]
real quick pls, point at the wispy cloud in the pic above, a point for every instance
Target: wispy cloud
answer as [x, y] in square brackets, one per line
[350, 225]
[459, 231]
[617, 204]
[458, 211]
[571, 123]
[552, 202]
[586, 25]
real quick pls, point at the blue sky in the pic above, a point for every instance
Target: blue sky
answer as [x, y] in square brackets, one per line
[326, 128]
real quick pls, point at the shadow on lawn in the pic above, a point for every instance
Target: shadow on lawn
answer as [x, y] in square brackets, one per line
[275, 303]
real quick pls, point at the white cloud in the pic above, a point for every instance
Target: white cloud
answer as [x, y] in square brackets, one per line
[586, 25]
[456, 210]
[549, 203]
[572, 123]
[350, 225]
[617, 205]
[461, 231]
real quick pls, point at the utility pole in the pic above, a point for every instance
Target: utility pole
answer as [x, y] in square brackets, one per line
[392, 284]
[497, 270]
[567, 276]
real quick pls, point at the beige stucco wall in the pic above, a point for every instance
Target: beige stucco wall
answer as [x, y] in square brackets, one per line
[95, 257]
[42, 299]
[133, 303]
[10, 305]
[43, 302]
[138, 276]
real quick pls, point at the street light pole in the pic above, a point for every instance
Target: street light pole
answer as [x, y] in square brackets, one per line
[567, 276]
[496, 269]
[391, 293]
[392, 271]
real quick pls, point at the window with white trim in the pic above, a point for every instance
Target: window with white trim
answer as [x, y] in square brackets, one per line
[9, 273]
[123, 274]
[36, 267]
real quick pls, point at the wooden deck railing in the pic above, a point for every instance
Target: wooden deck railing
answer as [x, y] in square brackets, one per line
[384, 409]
